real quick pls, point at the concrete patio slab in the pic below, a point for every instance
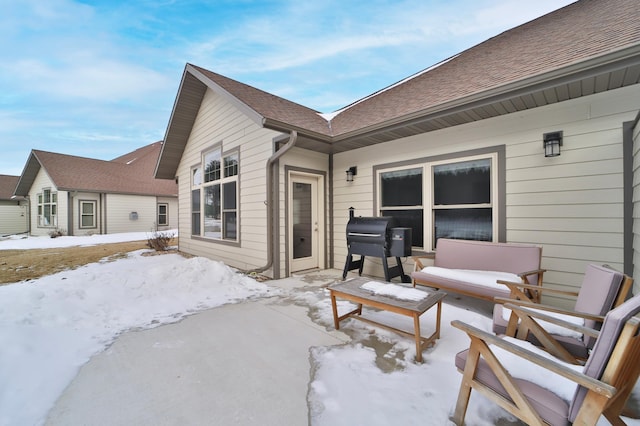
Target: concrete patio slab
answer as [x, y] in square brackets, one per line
[241, 364]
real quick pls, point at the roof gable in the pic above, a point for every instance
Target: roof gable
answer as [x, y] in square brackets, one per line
[129, 174]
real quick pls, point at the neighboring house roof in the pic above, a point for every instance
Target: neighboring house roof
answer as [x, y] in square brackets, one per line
[131, 173]
[7, 186]
[587, 47]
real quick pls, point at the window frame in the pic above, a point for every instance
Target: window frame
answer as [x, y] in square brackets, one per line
[226, 176]
[497, 190]
[165, 214]
[52, 203]
[81, 214]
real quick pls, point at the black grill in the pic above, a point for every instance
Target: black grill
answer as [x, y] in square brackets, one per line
[377, 237]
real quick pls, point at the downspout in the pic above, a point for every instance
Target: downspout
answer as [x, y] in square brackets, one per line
[293, 137]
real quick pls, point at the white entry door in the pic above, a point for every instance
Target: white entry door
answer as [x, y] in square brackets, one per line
[306, 222]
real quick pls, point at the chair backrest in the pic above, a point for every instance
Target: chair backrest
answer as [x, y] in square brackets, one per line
[599, 290]
[613, 324]
[487, 256]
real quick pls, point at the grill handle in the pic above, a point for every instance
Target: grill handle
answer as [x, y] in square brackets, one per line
[363, 234]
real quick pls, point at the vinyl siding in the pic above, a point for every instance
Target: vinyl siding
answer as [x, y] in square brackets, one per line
[118, 213]
[219, 121]
[636, 207]
[13, 217]
[571, 205]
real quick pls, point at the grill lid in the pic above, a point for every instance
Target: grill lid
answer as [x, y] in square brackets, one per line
[372, 230]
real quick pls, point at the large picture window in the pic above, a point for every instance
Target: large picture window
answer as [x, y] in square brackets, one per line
[47, 209]
[444, 199]
[214, 204]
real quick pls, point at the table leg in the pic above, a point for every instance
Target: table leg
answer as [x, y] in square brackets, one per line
[336, 321]
[438, 314]
[416, 331]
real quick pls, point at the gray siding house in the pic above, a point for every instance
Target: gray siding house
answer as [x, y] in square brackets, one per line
[454, 151]
[14, 211]
[83, 196]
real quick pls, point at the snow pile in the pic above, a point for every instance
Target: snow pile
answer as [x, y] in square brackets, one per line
[49, 328]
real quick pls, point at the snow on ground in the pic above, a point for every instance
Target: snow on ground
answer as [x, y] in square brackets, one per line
[24, 242]
[51, 326]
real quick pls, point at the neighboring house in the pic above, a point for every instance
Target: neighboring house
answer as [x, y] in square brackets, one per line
[453, 151]
[82, 196]
[14, 211]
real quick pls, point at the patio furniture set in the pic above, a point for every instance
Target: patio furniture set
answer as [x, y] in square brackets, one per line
[600, 335]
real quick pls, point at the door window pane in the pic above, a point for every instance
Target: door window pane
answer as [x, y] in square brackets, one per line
[302, 226]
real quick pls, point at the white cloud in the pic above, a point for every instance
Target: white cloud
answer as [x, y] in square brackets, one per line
[95, 79]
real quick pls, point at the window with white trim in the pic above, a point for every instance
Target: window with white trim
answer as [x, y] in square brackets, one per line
[47, 209]
[455, 198]
[87, 214]
[214, 196]
[163, 214]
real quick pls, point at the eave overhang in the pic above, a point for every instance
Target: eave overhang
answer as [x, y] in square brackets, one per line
[608, 72]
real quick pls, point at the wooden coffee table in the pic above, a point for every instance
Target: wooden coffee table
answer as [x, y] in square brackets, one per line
[351, 290]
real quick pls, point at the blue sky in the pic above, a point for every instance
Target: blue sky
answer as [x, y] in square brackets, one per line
[98, 78]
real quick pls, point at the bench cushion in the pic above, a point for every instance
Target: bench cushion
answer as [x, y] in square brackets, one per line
[487, 256]
[480, 282]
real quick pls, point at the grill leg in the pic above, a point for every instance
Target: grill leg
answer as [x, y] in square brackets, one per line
[385, 265]
[351, 264]
[395, 271]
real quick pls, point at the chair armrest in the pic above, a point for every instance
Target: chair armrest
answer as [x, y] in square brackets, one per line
[512, 284]
[551, 365]
[548, 308]
[535, 313]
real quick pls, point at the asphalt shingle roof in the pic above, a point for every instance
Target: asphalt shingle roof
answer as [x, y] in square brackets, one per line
[7, 186]
[573, 34]
[132, 173]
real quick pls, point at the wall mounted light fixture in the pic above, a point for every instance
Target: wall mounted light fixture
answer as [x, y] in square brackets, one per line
[552, 142]
[353, 170]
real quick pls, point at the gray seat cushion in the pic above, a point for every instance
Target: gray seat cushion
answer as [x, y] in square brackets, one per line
[550, 406]
[598, 292]
[597, 362]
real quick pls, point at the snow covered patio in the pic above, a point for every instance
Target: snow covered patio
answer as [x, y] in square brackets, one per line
[169, 340]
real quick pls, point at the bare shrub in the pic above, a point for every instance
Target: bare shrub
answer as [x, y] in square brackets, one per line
[159, 241]
[57, 233]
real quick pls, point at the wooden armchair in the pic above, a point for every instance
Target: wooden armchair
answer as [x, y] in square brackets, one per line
[602, 289]
[602, 386]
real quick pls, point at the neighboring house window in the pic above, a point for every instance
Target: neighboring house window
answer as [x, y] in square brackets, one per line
[47, 208]
[87, 214]
[444, 199]
[163, 214]
[214, 196]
